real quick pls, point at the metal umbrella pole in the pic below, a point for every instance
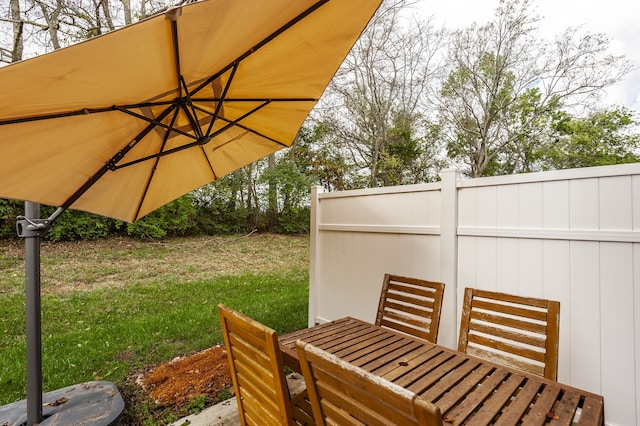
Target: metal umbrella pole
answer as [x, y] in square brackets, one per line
[34, 325]
[31, 227]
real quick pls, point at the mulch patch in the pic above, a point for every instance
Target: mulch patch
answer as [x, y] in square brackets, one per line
[181, 380]
[172, 386]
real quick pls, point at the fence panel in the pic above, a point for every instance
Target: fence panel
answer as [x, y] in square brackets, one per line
[572, 236]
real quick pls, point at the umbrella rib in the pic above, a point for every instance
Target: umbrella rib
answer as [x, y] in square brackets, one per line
[255, 99]
[155, 121]
[176, 49]
[83, 111]
[187, 106]
[111, 164]
[262, 43]
[121, 108]
[247, 129]
[185, 99]
[272, 100]
[200, 142]
[206, 158]
[153, 169]
[223, 95]
[226, 120]
[195, 124]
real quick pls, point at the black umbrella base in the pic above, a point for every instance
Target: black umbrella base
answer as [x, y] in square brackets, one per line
[91, 403]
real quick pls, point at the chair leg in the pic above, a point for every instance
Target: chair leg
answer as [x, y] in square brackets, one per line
[300, 404]
[301, 407]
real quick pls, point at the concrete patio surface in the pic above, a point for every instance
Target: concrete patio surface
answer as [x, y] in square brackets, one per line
[225, 413]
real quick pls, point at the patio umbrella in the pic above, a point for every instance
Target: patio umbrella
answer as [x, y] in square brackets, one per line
[126, 122]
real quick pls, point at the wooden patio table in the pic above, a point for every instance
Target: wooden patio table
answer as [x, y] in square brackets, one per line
[468, 390]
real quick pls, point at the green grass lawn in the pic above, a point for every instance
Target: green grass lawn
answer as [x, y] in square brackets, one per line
[92, 330]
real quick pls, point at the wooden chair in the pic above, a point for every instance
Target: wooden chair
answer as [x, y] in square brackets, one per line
[411, 305]
[520, 332]
[343, 394]
[258, 377]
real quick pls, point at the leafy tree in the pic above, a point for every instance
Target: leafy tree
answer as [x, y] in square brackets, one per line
[506, 84]
[602, 138]
[406, 158]
[292, 195]
[223, 206]
[317, 154]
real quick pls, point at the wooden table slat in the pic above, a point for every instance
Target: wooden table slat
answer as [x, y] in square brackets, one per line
[453, 396]
[542, 406]
[471, 394]
[337, 342]
[332, 332]
[389, 356]
[592, 411]
[413, 373]
[407, 362]
[341, 325]
[566, 407]
[433, 374]
[519, 406]
[363, 345]
[334, 340]
[495, 402]
[452, 379]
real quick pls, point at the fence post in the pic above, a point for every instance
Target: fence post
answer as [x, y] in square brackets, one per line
[314, 241]
[449, 255]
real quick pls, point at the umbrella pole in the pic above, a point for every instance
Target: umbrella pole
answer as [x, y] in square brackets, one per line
[31, 228]
[34, 328]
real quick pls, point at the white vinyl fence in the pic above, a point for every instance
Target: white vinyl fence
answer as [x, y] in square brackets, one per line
[571, 236]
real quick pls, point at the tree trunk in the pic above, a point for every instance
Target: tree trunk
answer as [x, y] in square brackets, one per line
[18, 39]
[126, 5]
[52, 22]
[273, 194]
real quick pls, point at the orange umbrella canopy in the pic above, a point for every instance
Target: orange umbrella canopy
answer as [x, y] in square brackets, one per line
[123, 123]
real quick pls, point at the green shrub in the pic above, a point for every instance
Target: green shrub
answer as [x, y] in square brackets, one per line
[75, 225]
[295, 221]
[174, 219]
[9, 211]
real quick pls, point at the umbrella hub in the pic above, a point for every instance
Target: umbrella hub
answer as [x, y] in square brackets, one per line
[204, 140]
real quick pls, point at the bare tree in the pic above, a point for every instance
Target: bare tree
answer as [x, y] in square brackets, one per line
[506, 83]
[51, 14]
[126, 10]
[378, 95]
[38, 26]
[17, 48]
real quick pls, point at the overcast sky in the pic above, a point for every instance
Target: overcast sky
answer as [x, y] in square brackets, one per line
[618, 19]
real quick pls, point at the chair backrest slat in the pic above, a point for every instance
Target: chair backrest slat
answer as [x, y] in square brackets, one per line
[521, 332]
[255, 362]
[343, 394]
[411, 305]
